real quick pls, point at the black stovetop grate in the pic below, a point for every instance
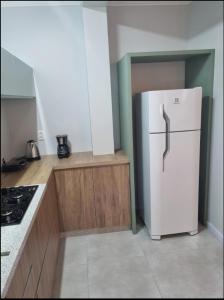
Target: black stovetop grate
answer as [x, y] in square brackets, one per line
[14, 203]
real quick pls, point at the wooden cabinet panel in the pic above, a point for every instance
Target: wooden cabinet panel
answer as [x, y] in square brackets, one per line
[47, 275]
[30, 287]
[17, 284]
[34, 253]
[94, 197]
[76, 198]
[46, 281]
[111, 193]
[21, 275]
[43, 227]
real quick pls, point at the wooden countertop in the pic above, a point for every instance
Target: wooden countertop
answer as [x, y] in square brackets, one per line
[38, 172]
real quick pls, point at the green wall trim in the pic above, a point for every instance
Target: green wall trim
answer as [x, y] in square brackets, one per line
[126, 124]
[199, 71]
[146, 57]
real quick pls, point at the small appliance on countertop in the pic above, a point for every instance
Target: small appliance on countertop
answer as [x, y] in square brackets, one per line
[14, 203]
[15, 164]
[32, 151]
[63, 148]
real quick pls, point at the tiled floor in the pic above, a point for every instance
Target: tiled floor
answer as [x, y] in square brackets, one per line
[123, 265]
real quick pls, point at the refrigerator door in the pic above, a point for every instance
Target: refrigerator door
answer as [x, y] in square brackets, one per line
[174, 182]
[182, 108]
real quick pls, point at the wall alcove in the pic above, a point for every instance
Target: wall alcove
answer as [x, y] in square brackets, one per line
[199, 71]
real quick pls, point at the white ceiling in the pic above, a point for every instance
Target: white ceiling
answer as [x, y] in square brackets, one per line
[91, 3]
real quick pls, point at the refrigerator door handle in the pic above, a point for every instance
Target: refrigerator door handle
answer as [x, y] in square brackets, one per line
[167, 121]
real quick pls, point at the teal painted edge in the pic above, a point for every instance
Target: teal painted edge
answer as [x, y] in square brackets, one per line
[209, 134]
[208, 151]
[200, 72]
[176, 53]
[125, 104]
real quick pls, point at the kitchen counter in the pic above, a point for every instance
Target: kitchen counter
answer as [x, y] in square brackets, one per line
[13, 238]
[39, 171]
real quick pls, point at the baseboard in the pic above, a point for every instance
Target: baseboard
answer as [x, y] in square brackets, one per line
[94, 231]
[215, 232]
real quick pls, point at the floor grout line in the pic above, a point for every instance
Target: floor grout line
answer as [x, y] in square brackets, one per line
[148, 263]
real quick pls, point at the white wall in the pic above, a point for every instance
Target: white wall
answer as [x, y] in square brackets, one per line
[99, 83]
[146, 28]
[139, 29]
[18, 125]
[206, 31]
[51, 40]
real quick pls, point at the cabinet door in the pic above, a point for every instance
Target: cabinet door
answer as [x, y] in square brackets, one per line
[20, 277]
[17, 285]
[43, 224]
[16, 77]
[111, 190]
[46, 281]
[76, 198]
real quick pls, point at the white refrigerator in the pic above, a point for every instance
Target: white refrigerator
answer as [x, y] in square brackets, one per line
[168, 126]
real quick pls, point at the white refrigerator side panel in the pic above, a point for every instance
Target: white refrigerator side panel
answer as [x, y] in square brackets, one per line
[182, 106]
[174, 191]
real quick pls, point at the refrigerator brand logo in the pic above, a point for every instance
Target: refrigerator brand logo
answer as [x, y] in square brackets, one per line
[176, 101]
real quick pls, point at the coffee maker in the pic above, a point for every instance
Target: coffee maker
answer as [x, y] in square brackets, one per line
[63, 149]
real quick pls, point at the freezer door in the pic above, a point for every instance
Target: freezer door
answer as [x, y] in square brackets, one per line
[174, 182]
[182, 107]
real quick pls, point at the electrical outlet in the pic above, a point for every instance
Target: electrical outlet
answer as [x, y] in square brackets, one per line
[40, 135]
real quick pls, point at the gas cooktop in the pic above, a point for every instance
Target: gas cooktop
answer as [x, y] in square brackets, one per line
[14, 203]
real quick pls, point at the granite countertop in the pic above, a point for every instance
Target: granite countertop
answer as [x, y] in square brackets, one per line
[13, 237]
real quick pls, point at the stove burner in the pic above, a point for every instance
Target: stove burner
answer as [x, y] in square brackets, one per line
[17, 196]
[14, 203]
[5, 212]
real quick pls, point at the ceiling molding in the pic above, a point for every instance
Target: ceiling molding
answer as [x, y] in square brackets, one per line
[91, 3]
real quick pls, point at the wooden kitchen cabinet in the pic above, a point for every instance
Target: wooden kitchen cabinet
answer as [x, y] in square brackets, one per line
[94, 197]
[34, 274]
[111, 196]
[76, 198]
[16, 77]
